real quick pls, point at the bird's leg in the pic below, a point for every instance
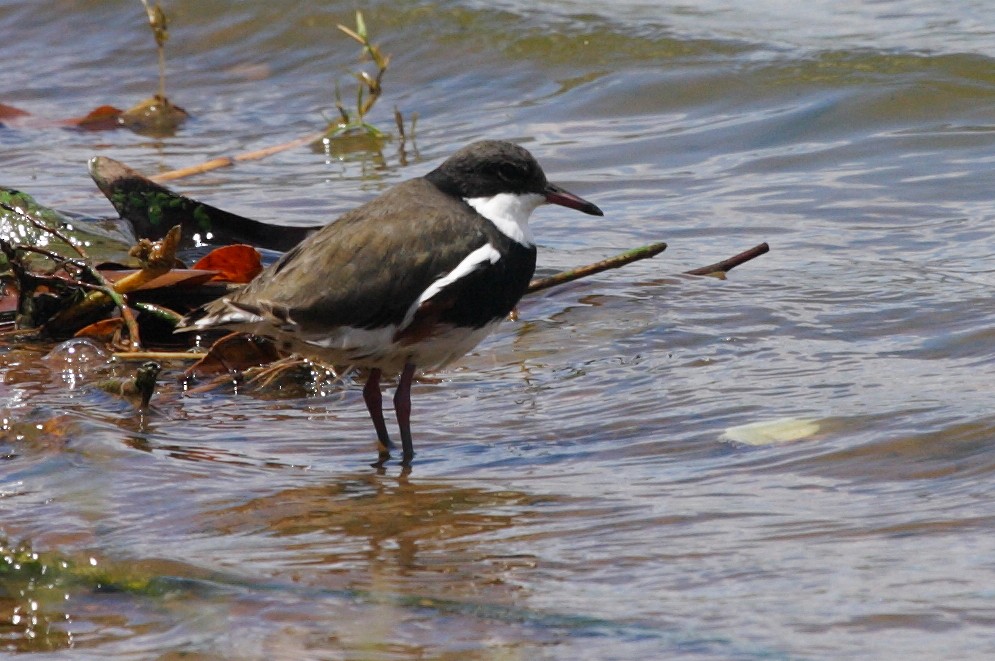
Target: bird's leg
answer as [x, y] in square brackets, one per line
[402, 408]
[374, 404]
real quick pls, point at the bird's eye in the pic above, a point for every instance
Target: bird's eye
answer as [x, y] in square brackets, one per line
[510, 172]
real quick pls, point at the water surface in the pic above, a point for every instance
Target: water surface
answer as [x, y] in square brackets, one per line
[578, 492]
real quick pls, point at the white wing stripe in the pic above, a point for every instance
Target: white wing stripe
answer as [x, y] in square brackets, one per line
[470, 263]
[230, 315]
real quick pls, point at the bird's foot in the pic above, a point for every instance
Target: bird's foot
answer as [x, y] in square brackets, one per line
[382, 458]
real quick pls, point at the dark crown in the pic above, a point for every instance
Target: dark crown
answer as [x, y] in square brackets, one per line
[489, 167]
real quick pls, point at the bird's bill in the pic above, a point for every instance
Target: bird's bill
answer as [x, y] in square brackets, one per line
[557, 195]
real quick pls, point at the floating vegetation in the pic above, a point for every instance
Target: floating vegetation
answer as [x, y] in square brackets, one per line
[351, 132]
[156, 115]
[369, 87]
[32, 601]
[38, 591]
[160, 30]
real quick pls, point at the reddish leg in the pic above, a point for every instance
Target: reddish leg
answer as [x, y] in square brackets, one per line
[402, 408]
[374, 404]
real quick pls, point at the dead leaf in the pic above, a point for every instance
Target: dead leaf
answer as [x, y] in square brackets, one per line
[10, 112]
[235, 263]
[235, 352]
[103, 330]
[102, 118]
[772, 432]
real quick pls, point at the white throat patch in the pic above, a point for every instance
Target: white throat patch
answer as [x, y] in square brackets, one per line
[510, 213]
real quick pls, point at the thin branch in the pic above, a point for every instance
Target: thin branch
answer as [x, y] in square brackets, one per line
[181, 356]
[719, 268]
[615, 262]
[727, 265]
[200, 168]
[44, 228]
[60, 260]
[228, 161]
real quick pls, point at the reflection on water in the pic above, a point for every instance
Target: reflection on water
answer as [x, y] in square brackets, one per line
[386, 531]
[354, 561]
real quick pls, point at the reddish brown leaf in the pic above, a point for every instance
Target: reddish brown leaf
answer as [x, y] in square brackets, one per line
[10, 112]
[102, 118]
[236, 263]
[103, 330]
[235, 352]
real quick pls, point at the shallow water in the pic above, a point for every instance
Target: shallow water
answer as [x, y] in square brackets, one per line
[577, 492]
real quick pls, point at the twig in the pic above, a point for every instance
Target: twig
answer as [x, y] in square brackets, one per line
[159, 355]
[44, 228]
[207, 166]
[228, 161]
[611, 263]
[61, 260]
[727, 265]
[6, 333]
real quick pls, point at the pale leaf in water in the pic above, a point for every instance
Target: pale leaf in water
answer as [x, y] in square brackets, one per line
[771, 432]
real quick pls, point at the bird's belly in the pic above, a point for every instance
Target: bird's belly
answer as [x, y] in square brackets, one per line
[379, 348]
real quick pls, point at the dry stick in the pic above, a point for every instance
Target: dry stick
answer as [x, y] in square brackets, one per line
[642, 253]
[228, 161]
[729, 264]
[182, 356]
[106, 287]
[611, 263]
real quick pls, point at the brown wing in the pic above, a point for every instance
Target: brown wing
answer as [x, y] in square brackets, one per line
[366, 269]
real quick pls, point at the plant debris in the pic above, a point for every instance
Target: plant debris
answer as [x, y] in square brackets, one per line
[138, 388]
